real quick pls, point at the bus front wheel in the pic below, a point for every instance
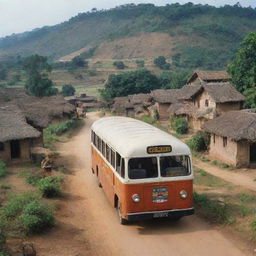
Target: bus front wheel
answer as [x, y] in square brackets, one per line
[119, 212]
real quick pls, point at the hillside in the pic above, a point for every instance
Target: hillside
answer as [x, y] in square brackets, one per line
[192, 35]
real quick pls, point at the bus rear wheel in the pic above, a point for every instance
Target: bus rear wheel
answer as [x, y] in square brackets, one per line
[122, 221]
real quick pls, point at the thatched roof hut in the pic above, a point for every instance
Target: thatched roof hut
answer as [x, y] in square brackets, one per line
[13, 125]
[210, 76]
[39, 112]
[235, 125]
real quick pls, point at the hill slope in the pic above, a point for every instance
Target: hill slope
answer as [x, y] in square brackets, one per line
[201, 35]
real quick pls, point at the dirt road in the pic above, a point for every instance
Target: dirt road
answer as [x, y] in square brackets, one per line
[88, 225]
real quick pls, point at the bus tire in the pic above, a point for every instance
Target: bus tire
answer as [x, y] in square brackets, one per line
[122, 221]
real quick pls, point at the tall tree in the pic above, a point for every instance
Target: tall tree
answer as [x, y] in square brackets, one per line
[243, 69]
[37, 69]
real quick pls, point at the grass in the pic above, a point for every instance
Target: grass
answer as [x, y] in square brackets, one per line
[53, 132]
[206, 179]
[213, 210]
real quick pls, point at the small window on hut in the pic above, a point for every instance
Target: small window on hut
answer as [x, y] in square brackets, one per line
[225, 141]
[1, 146]
[213, 138]
[207, 103]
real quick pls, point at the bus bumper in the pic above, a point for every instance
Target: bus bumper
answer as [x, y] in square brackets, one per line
[160, 214]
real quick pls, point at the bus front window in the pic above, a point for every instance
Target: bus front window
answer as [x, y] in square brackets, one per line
[142, 168]
[173, 166]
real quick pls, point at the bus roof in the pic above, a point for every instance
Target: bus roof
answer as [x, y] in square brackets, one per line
[131, 137]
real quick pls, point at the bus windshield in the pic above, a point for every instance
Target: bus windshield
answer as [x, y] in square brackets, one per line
[173, 166]
[142, 168]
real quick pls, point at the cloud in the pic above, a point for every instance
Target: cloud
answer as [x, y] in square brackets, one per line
[24, 15]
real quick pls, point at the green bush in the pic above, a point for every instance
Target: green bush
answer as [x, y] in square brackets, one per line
[14, 206]
[180, 125]
[68, 90]
[199, 142]
[3, 171]
[50, 186]
[36, 216]
[119, 64]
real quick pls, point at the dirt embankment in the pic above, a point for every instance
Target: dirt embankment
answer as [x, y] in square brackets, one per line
[88, 225]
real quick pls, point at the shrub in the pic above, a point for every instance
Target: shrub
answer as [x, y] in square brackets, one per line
[68, 90]
[3, 171]
[180, 125]
[119, 64]
[14, 206]
[160, 62]
[50, 186]
[36, 216]
[198, 142]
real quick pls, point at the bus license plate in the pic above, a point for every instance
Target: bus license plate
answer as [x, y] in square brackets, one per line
[160, 214]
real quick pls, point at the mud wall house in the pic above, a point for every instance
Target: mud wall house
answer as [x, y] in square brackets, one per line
[233, 138]
[140, 103]
[17, 137]
[201, 77]
[162, 100]
[123, 106]
[209, 100]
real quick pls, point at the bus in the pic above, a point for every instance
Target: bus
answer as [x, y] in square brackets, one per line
[145, 172]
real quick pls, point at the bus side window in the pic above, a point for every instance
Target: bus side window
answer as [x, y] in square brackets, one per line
[96, 141]
[103, 148]
[118, 163]
[108, 153]
[122, 168]
[93, 138]
[113, 156]
[99, 144]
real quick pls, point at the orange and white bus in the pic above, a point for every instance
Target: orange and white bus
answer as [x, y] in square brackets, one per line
[144, 171]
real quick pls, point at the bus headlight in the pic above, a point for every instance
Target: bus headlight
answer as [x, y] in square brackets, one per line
[183, 194]
[136, 198]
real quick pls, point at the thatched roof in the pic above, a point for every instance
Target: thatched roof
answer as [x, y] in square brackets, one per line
[140, 98]
[235, 125]
[212, 76]
[182, 108]
[121, 103]
[188, 92]
[165, 96]
[39, 112]
[13, 125]
[223, 92]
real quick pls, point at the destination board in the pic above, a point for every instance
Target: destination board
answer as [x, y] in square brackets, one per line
[159, 149]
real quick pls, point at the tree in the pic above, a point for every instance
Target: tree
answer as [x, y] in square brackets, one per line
[3, 73]
[131, 82]
[37, 70]
[243, 69]
[79, 62]
[68, 90]
[160, 62]
[119, 64]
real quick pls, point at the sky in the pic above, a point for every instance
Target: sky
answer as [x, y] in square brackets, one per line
[17, 16]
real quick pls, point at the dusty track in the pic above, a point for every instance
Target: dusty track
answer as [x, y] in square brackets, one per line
[88, 225]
